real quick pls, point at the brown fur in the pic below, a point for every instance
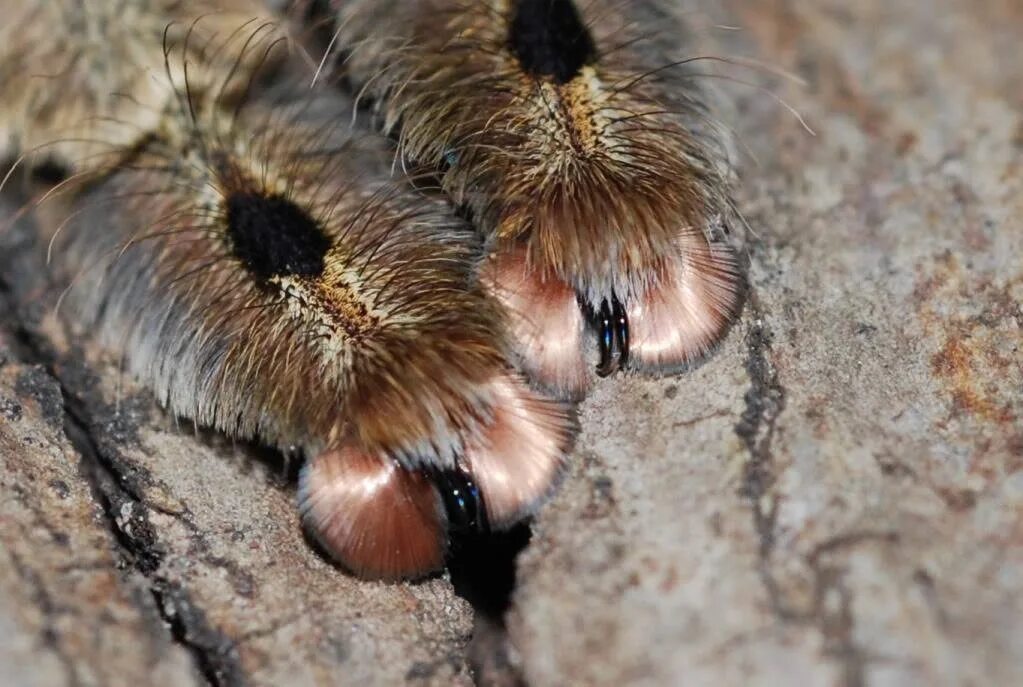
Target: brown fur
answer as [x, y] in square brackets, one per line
[599, 175]
[353, 353]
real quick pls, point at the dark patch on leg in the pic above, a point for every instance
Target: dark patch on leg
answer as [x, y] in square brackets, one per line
[274, 237]
[550, 39]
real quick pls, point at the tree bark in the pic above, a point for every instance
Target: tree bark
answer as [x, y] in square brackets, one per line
[836, 498]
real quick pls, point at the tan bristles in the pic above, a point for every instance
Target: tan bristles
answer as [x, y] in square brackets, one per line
[378, 520]
[242, 334]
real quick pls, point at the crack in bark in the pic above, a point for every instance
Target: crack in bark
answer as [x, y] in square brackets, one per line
[833, 614]
[831, 610]
[483, 573]
[124, 509]
[126, 516]
[837, 620]
[765, 401]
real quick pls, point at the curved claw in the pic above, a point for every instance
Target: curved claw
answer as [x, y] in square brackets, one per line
[462, 499]
[612, 324]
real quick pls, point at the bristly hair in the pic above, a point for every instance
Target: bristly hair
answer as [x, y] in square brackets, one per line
[576, 135]
[83, 80]
[267, 278]
[574, 125]
[263, 273]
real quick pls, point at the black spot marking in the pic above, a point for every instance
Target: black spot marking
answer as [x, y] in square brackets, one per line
[273, 237]
[550, 39]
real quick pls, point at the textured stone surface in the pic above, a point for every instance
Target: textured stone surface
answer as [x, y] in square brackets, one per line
[836, 498]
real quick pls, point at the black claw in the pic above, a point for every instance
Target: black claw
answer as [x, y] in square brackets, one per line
[621, 325]
[462, 500]
[612, 324]
[605, 330]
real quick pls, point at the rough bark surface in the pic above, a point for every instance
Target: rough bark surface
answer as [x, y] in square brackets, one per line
[836, 498]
